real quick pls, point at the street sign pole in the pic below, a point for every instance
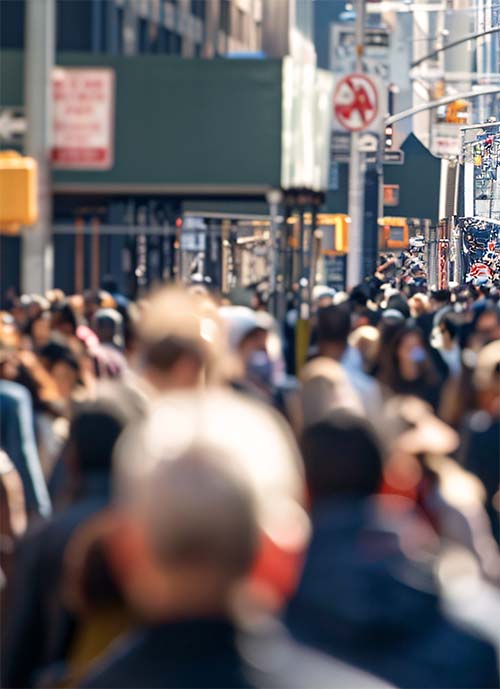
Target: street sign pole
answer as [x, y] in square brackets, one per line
[274, 198]
[37, 257]
[356, 173]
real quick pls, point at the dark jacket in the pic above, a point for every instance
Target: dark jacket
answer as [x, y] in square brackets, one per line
[214, 653]
[361, 600]
[39, 630]
[479, 453]
[199, 653]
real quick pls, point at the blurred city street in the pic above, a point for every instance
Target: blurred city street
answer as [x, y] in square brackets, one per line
[250, 344]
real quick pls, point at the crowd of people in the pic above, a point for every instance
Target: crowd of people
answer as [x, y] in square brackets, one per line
[187, 503]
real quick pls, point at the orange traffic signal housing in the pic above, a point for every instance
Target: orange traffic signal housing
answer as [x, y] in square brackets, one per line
[457, 112]
[18, 191]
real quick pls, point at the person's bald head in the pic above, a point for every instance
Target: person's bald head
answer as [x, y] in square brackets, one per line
[200, 490]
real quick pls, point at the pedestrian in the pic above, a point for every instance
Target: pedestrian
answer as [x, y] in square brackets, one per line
[334, 326]
[210, 502]
[480, 446]
[39, 629]
[179, 343]
[448, 343]
[420, 467]
[325, 386]
[361, 597]
[407, 367]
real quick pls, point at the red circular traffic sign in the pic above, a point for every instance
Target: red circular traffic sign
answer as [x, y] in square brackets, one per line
[355, 102]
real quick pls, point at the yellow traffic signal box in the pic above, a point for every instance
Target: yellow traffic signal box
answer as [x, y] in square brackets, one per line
[18, 191]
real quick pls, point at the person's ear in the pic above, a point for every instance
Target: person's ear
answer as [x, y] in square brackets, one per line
[125, 546]
[135, 568]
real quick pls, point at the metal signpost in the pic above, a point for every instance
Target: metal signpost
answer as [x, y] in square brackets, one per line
[358, 111]
[37, 256]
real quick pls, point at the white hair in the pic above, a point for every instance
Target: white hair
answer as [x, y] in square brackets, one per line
[207, 471]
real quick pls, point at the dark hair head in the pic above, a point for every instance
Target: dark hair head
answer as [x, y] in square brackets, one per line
[342, 457]
[108, 326]
[443, 296]
[389, 367]
[93, 433]
[93, 296]
[334, 324]
[109, 284]
[54, 353]
[43, 315]
[450, 323]
[64, 314]
[400, 303]
[360, 294]
[488, 307]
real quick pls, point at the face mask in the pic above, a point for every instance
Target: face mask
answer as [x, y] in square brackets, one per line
[260, 367]
[418, 355]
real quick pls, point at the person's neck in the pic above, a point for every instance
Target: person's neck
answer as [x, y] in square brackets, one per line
[409, 371]
[332, 350]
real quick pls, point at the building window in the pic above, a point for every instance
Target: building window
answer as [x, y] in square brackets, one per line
[74, 25]
[240, 29]
[154, 37]
[163, 40]
[12, 24]
[198, 8]
[225, 24]
[258, 37]
[104, 24]
[176, 44]
[119, 30]
[167, 38]
[143, 36]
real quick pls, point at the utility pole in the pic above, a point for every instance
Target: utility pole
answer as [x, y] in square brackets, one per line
[37, 256]
[356, 173]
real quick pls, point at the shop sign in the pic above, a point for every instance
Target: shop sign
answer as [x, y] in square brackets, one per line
[445, 140]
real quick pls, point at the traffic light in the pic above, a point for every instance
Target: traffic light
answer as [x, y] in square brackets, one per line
[388, 136]
[341, 222]
[457, 112]
[18, 191]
